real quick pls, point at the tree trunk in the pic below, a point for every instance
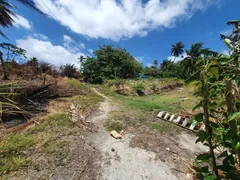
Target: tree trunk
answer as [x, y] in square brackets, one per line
[44, 79]
[207, 123]
[5, 76]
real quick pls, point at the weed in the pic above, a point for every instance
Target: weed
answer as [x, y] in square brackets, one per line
[139, 88]
[154, 87]
[114, 125]
[37, 167]
[13, 152]
[16, 144]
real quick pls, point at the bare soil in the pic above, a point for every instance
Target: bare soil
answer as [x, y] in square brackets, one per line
[142, 153]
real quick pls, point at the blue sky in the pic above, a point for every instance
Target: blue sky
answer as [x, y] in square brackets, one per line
[145, 28]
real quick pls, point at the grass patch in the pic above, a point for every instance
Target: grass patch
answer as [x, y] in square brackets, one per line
[111, 125]
[91, 100]
[162, 127]
[149, 103]
[13, 152]
[76, 85]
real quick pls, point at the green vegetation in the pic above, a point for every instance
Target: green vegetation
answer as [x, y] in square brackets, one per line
[114, 125]
[16, 149]
[140, 111]
[216, 85]
[70, 71]
[216, 76]
[110, 63]
[163, 127]
[139, 88]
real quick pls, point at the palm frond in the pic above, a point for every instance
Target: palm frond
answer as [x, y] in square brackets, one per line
[3, 35]
[222, 37]
[233, 22]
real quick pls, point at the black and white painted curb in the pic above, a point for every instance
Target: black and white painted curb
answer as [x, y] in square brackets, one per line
[184, 122]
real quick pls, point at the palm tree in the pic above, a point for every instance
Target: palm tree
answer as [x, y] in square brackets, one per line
[189, 63]
[81, 60]
[6, 18]
[69, 70]
[164, 64]
[45, 68]
[155, 63]
[177, 49]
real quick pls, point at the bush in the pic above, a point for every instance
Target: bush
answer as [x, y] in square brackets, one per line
[139, 88]
[154, 87]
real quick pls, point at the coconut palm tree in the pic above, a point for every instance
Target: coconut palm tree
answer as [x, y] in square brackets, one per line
[6, 18]
[155, 63]
[177, 49]
[69, 70]
[6, 12]
[81, 60]
[164, 64]
[189, 63]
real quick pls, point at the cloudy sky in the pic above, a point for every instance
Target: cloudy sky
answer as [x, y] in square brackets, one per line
[146, 28]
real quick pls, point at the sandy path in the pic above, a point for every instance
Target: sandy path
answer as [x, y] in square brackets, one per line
[121, 162]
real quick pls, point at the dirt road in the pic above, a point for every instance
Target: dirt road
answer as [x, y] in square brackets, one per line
[122, 162]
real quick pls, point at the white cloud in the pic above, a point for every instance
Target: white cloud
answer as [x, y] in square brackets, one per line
[121, 19]
[67, 38]
[72, 45]
[40, 36]
[47, 52]
[90, 51]
[20, 21]
[82, 45]
[177, 59]
[226, 31]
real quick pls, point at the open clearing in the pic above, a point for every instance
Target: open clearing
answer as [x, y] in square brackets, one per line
[141, 153]
[54, 148]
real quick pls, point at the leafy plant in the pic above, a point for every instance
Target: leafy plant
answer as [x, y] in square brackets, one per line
[110, 63]
[139, 88]
[218, 86]
[154, 87]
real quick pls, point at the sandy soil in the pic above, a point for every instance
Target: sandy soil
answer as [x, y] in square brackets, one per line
[141, 156]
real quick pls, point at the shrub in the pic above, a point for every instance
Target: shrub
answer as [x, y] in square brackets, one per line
[139, 88]
[154, 87]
